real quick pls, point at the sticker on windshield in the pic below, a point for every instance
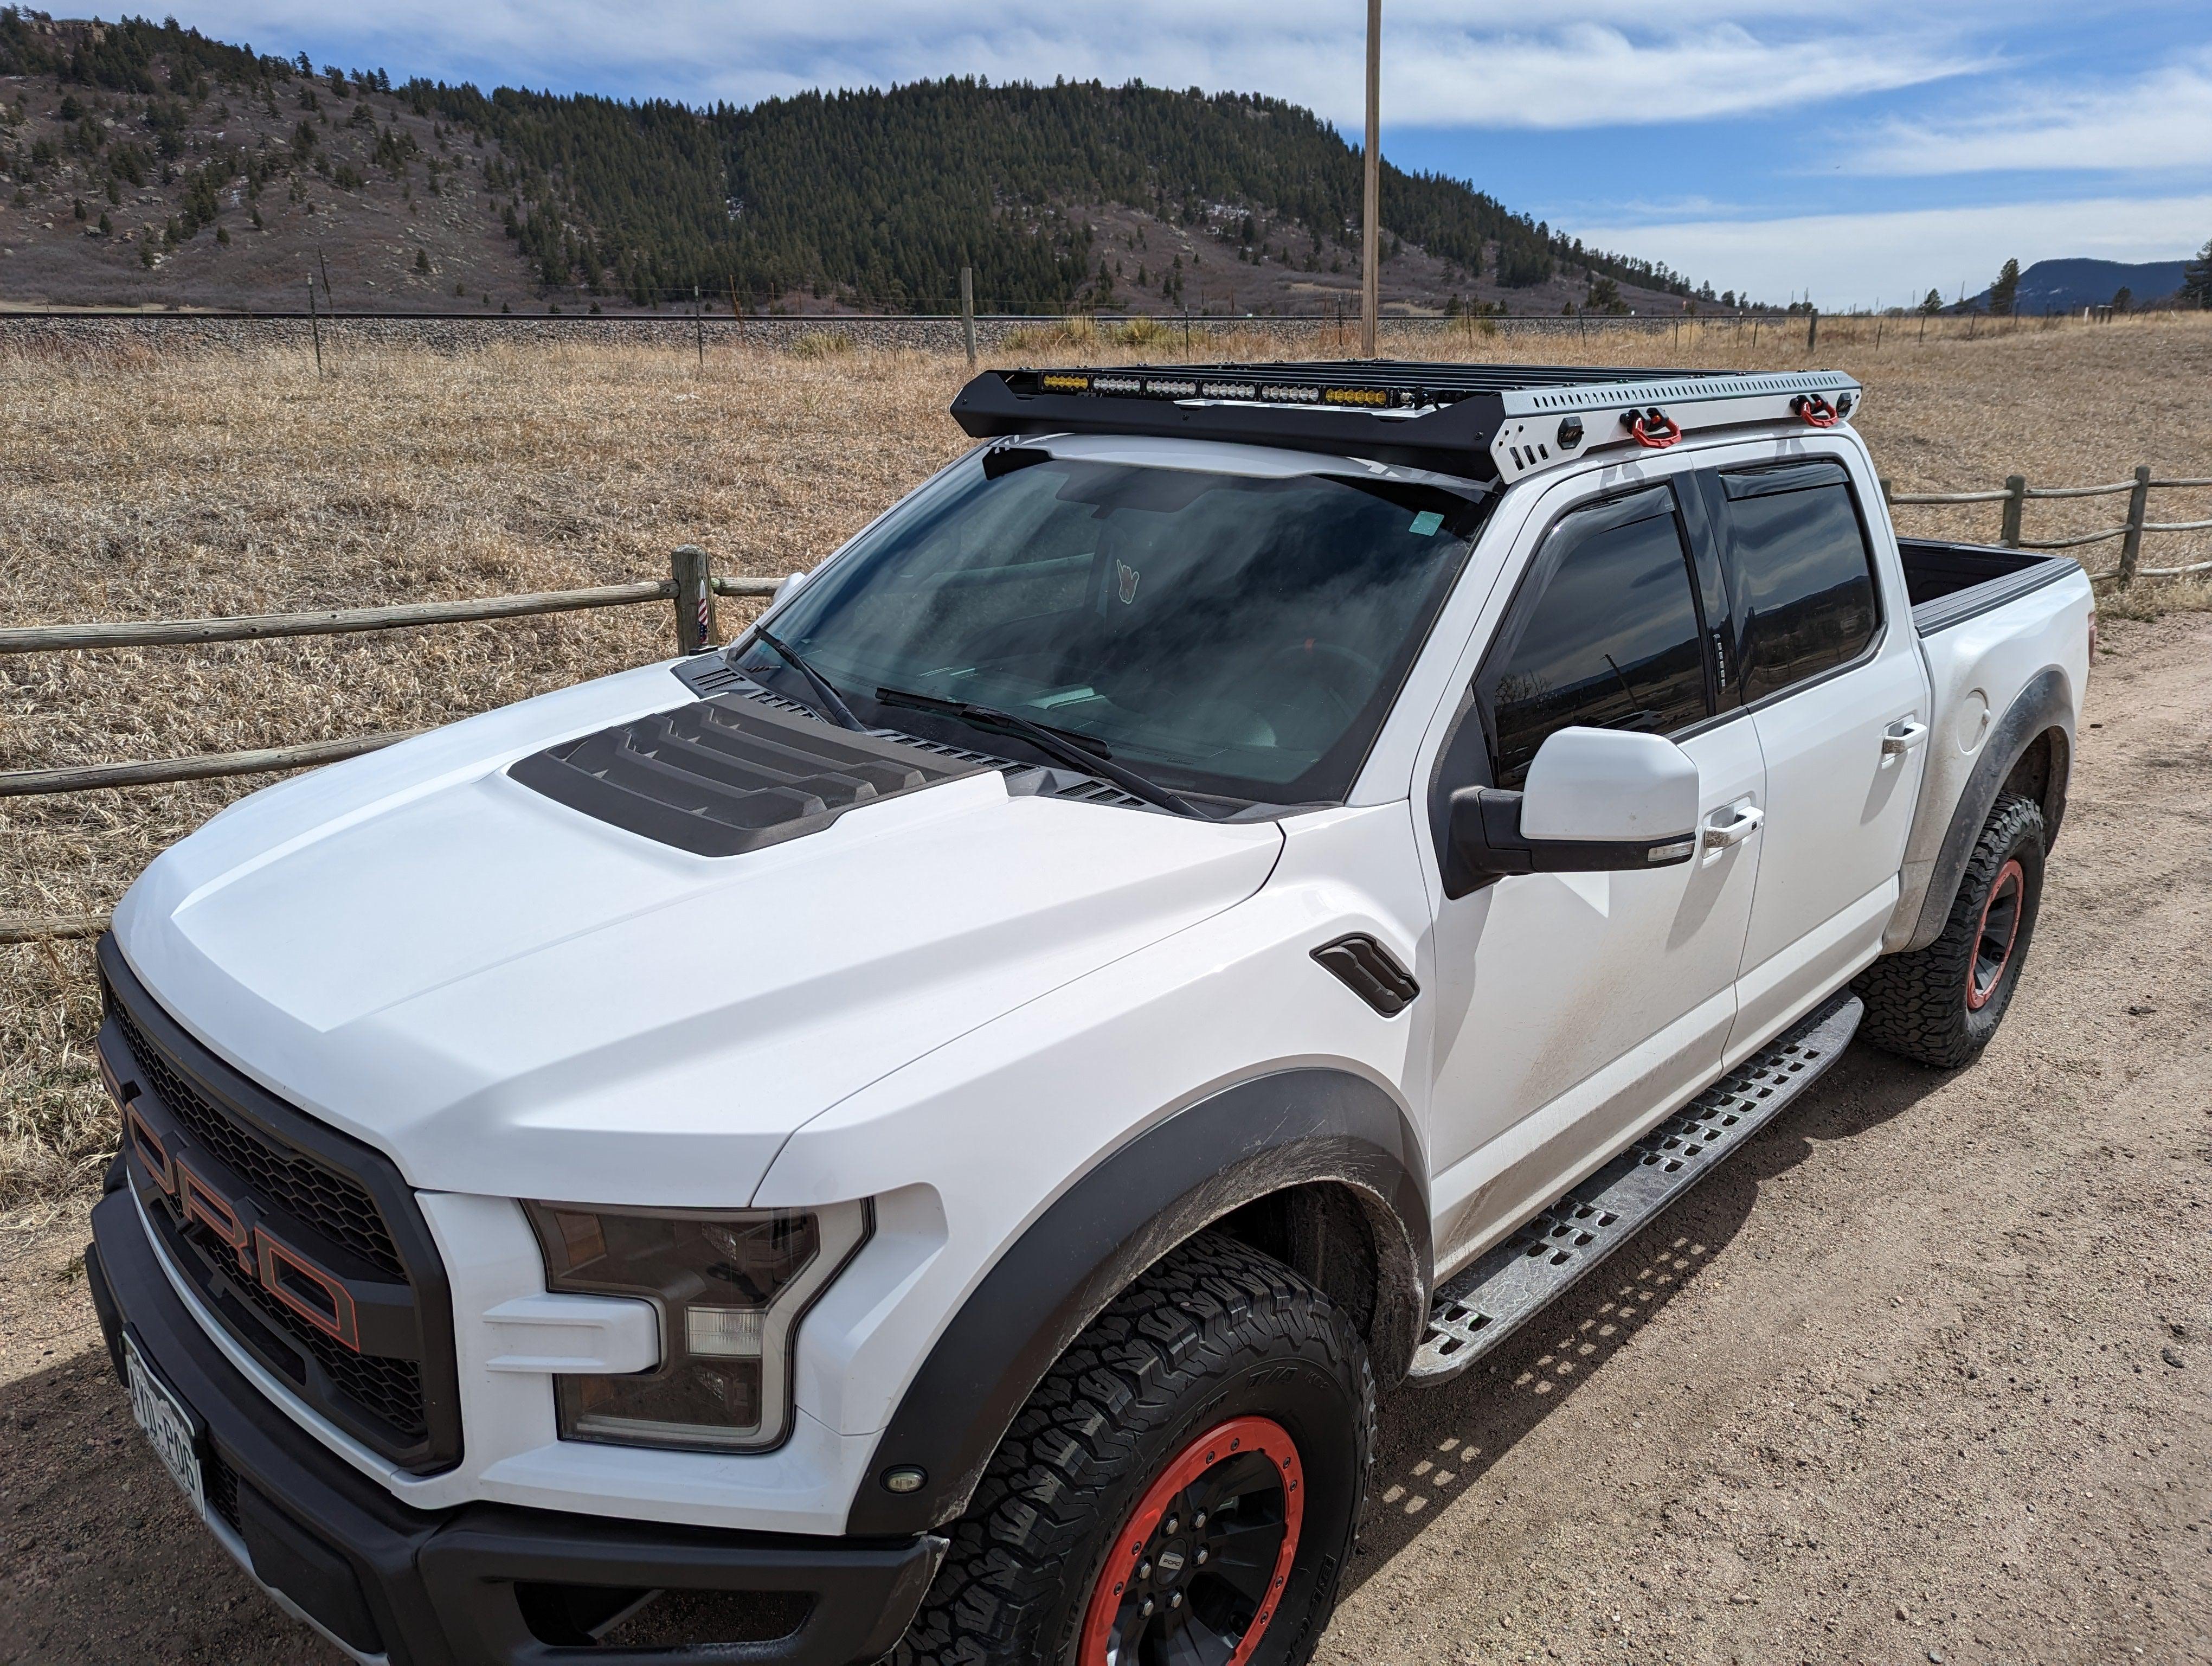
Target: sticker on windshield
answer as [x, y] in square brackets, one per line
[1427, 522]
[1128, 576]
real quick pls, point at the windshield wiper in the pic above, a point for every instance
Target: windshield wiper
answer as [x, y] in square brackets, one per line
[1051, 742]
[815, 680]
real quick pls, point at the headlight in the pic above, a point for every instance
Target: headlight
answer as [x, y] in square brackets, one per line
[731, 1289]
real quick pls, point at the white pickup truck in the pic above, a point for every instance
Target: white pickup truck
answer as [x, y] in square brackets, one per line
[920, 1134]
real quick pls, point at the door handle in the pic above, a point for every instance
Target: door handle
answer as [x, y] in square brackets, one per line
[1902, 736]
[1743, 821]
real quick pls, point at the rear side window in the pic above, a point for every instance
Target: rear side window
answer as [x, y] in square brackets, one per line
[1605, 634]
[1804, 575]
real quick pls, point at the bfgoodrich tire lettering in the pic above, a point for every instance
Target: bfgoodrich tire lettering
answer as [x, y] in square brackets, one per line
[1215, 1332]
[1939, 1005]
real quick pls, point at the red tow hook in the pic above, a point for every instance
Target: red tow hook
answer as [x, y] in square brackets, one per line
[1816, 410]
[1653, 428]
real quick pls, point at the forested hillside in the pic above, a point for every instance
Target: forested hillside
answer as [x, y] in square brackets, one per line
[1073, 196]
[875, 196]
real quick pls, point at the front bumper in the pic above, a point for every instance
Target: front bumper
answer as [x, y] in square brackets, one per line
[484, 1583]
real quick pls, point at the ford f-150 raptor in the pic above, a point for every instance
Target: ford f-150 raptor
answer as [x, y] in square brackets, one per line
[920, 1132]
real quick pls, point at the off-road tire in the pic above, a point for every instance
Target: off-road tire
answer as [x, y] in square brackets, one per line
[1916, 1003]
[1215, 1331]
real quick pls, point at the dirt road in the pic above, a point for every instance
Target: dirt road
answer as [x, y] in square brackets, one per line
[1922, 1375]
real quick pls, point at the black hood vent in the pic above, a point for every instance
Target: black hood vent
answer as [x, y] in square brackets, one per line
[725, 775]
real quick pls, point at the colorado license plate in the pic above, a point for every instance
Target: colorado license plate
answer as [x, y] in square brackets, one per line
[167, 1425]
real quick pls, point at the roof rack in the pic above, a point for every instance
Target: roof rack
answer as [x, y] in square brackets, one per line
[1487, 421]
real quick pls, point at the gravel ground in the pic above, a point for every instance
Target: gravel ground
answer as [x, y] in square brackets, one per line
[1920, 1376]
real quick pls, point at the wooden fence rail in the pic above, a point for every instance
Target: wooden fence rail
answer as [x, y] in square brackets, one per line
[153, 633]
[208, 766]
[692, 585]
[47, 927]
[2016, 492]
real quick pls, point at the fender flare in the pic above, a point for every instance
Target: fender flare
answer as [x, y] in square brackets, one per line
[1182, 1174]
[2045, 704]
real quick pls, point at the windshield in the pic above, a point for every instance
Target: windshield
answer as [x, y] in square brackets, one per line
[1226, 635]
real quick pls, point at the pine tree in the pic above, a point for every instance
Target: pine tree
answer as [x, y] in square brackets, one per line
[2004, 292]
[2197, 279]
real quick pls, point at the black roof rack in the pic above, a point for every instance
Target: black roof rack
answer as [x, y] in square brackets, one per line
[1488, 421]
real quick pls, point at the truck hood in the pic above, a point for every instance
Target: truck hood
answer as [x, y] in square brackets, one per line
[509, 997]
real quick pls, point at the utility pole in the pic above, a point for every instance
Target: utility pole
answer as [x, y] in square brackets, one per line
[1370, 266]
[968, 312]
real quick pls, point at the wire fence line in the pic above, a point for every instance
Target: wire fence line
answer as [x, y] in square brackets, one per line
[693, 589]
[1325, 331]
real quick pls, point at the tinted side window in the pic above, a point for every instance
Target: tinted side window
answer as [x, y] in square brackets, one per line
[1804, 576]
[1606, 634]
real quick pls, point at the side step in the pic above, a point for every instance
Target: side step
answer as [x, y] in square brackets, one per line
[1478, 1309]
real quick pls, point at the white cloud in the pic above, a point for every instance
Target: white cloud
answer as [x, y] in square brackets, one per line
[1590, 75]
[1856, 260]
[2162, 120]
[1452, 63]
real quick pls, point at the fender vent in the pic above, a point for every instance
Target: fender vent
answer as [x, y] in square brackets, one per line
[1369, 971]
[725, 775]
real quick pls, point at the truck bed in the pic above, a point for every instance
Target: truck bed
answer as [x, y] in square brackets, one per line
[1992, 621]
[1951, 583]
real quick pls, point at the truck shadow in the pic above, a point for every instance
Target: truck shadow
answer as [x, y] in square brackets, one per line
[1436, 1442]
[108, 1564]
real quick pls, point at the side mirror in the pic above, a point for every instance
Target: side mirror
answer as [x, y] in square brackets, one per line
[1595, 800]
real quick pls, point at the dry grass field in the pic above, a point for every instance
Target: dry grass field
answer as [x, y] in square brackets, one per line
[1917, 1377]
[145, 485]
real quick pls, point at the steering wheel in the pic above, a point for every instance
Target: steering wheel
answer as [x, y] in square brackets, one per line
[1349, 670]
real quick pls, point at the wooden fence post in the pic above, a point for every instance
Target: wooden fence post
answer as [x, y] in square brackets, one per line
[2138, 505]
[693, 571]
[1812, 331]
[2015, 499]
[315, 324]
[968, 312]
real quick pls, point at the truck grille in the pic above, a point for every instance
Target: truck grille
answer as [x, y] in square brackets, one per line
[389, 1381]
[392, 1389]
[334, 1204]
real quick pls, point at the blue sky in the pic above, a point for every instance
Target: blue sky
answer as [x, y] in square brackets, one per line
[1860, 152]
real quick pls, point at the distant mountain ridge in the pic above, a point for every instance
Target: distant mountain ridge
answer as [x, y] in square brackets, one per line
[131, 152]
[2066, 286]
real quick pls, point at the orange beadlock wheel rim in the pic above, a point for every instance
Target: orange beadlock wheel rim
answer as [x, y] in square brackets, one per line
[1201, 1564]
[1999, 931]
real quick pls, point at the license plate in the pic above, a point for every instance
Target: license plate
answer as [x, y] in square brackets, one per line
[166, 1422]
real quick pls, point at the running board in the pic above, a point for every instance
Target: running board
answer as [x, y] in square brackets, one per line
[1478, 1309]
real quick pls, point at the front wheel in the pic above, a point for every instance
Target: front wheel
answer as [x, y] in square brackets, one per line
[1939, 1005]
[1182, 1486]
